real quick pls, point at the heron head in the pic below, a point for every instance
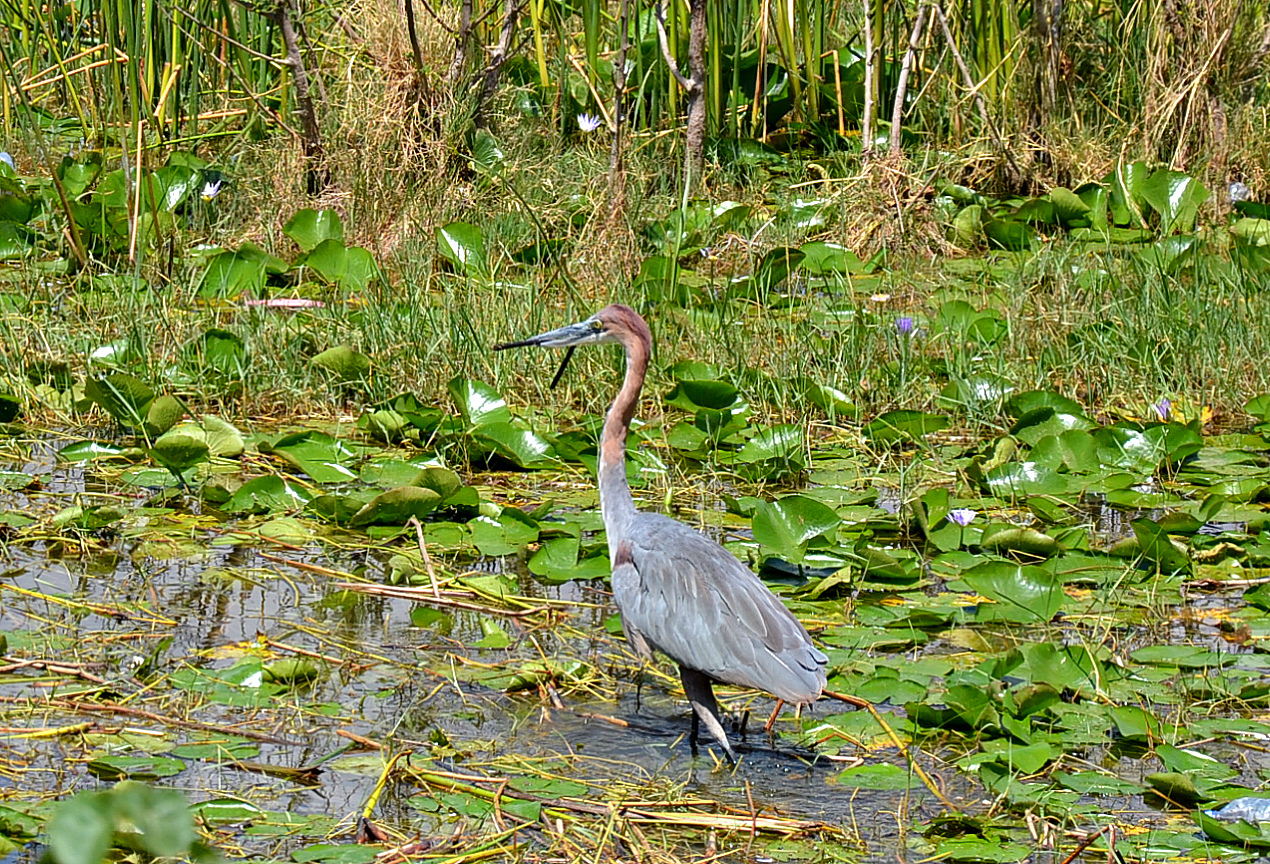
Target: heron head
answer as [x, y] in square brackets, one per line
[610, 324]
[616, 324]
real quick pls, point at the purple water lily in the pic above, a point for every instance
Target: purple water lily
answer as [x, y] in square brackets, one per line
[962, 517]
[904, 325]
[1163, 408]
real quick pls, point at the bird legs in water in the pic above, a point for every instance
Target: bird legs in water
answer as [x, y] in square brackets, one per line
[704, 709]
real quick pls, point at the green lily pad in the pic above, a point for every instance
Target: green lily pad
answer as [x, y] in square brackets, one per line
[904, 425]
[124, 397]
[478, 403]
[164, 413]
[396, 506]
[1024, 593]
[561, 559]
[135, 767]
[346, 266]
[346, 364]
[463, 245]
[266, 495]
[179, 450]
[787, 526]
[522, 447]
[309, 228]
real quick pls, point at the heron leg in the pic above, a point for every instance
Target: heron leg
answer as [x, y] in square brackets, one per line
[704, 707]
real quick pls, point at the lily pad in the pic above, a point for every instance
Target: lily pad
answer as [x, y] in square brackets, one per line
[345, 363]
[904, 425]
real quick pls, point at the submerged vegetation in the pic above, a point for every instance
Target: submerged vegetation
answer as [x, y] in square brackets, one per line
[959, 318]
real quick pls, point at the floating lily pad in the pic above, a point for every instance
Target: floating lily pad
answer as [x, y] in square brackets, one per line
[904, 425]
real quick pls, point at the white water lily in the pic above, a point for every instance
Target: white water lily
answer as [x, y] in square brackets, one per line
[589, 122]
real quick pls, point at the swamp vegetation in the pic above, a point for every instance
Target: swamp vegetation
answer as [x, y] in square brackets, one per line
[960, 320]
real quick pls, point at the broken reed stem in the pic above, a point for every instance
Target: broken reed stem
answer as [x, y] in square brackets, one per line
[895, 739]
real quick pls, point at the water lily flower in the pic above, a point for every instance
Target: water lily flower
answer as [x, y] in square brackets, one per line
[212, 188]
[962, 517]
[8, 160]
[904, 325]
[1163, 408]
[589, 123]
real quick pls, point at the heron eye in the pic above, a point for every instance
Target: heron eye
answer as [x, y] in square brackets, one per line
[597, 325]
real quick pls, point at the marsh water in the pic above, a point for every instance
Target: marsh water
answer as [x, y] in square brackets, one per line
[166, 636]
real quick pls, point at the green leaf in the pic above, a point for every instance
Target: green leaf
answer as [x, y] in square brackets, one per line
[290, 671]
[782, 443]
[1254, 231]
[1158, 548]
[137, 767]
[346, 266]
[1023, 403]
[787, 526]
[1235, 833]
[224, 441]
[265, 495]
[160, 815]
[316, 454]
[463, 245]
[396, 506]
[83, 451]
[124, 397]
[1046, 421]
[478, 403]
[1009, 234]
[1023, 593]
[904, 425]
[522, 447]
[219, 350]
[1068, 206]
[163, 413]
[883, 776]
[691, 395]
[1176, 197]
[242, 271]
[509, 534]
[82, 829]
[180, 449]
[309, 228]
[821, 258]
[346, 364]
[335, 853]
[560, 559]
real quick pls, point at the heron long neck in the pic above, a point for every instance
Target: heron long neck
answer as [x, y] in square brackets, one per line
[616, 504]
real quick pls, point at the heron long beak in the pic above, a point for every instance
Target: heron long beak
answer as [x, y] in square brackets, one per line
[569, 337]
[562, 337]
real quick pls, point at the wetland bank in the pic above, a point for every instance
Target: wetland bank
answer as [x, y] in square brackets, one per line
[294, 567]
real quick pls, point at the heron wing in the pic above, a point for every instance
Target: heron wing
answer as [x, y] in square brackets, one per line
[692, 599]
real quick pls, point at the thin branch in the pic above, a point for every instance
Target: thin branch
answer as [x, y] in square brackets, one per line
[660, 16]
[901, 86]
[969, 79]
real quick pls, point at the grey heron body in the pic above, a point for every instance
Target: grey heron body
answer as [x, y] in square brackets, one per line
[679, 591]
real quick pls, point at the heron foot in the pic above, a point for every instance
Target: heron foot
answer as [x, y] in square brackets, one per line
[704, 710]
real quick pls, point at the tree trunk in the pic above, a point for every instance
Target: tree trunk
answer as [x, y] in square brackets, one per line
[461, 39]
[315, 174]
[493, 72]
[695, 158]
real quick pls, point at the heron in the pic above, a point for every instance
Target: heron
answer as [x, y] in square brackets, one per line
[677, 590]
